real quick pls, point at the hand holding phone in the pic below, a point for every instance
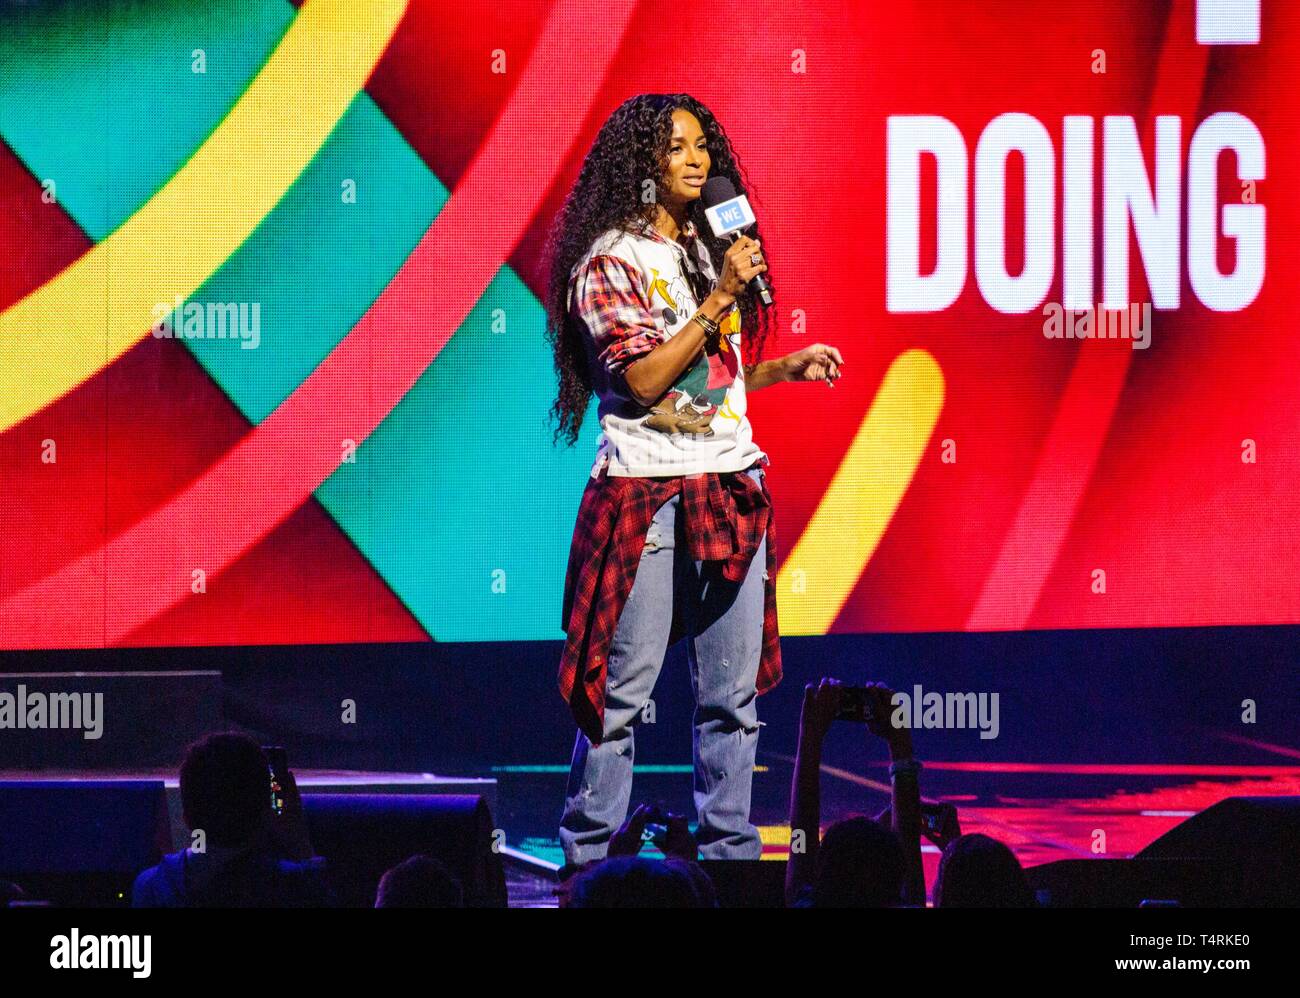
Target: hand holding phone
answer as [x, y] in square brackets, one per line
[278, 765]
[854, 705]
[939, 823]
[289, 822]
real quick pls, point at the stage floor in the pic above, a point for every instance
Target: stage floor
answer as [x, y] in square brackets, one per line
[1044, 811]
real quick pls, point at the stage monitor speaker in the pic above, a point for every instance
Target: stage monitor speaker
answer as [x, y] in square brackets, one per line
[1126, 883]
[81, 843]
[1268, 825]
[1254, 841]
[1243, 851]
[363, 835]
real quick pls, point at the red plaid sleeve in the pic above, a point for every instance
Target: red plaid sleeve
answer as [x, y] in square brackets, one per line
[608, 296]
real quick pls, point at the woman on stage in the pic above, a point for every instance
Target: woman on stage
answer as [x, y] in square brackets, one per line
[674, 535]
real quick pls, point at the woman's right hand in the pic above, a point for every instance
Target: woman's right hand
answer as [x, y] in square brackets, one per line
[738, 267]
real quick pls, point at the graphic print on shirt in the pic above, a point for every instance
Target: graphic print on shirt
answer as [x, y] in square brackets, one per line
[700, 393]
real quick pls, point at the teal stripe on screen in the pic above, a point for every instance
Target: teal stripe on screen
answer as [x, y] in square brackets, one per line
[103, 100]
[319, 259]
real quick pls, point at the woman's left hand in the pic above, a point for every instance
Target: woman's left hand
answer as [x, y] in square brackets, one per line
[819, 362]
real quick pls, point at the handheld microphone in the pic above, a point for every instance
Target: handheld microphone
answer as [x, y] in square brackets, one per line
[728, 213]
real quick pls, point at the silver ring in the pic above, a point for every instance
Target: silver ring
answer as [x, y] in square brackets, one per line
[753, 259]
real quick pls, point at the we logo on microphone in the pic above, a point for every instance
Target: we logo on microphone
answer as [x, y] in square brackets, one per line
[730, 215]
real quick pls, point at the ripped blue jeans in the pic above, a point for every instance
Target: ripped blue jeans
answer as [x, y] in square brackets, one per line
[724, 629]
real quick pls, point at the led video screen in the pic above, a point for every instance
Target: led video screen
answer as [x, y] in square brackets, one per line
[272, 333]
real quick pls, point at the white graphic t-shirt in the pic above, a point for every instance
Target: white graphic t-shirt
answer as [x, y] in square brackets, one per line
[631, 293]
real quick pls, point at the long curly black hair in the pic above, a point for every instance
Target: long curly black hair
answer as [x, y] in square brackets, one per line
[631, 147]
